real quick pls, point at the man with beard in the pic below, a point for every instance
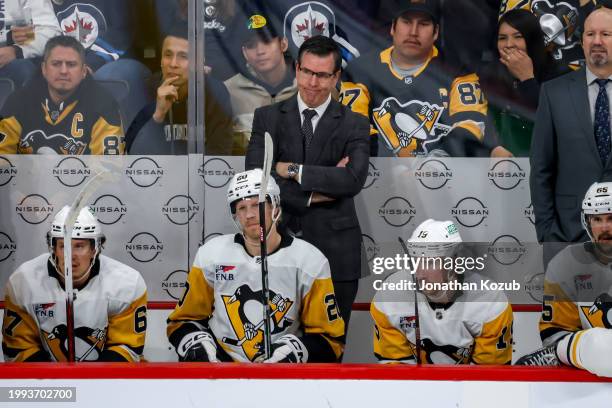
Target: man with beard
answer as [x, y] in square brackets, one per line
[417, 104]
[576, 320]
[571, 139]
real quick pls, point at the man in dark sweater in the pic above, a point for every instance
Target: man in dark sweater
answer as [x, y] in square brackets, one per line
[161, 127]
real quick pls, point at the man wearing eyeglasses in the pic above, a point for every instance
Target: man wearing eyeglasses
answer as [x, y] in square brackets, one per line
[416, 104]
[321, 154]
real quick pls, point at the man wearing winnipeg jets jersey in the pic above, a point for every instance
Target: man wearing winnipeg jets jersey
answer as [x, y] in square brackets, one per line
[576, 321]
[109, 301]
[455, 326]
[417, 104]
[220, 316]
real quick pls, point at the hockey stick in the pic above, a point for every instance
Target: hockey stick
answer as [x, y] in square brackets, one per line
[240, 342]
[265, 288]
[417, 329]
[78, 203]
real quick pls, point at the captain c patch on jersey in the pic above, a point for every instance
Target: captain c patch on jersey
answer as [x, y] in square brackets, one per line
[408, 128]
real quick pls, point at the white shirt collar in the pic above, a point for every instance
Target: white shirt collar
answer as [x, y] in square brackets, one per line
[319, 109]
[591, 77]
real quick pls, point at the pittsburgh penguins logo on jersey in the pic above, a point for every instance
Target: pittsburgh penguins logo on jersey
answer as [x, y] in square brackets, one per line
[2, 136]
[84, 22]
[38, 142]
[600, 313]
[245, 312]
[408, 128]
[444, 354]
[88, 342]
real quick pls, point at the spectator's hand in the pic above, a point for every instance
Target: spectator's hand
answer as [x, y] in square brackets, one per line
[22, 34]
[518, 63]
[167, 94]
[7, 54]
[501, 152]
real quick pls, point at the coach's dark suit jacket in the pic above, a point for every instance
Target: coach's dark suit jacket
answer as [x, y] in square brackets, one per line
[564, 158]
[332, 227]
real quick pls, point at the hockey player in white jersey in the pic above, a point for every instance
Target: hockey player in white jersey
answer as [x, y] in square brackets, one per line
[109, 301]
[452, 326]
[220, 315]
[576, 320]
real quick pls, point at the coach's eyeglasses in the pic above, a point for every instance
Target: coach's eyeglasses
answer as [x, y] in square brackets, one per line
[318, 75]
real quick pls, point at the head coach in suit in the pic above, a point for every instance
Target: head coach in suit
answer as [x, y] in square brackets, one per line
[571, 140]
[321, 153]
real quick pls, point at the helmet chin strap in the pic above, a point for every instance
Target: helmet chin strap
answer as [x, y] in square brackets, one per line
[274, 221]
[85, 276]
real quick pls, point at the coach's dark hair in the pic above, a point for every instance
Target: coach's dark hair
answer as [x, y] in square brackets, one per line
[64, 41]
[321, 46]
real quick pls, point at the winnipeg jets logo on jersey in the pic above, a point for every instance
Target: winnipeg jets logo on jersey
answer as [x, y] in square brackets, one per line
[408, 128]
[88, 342]
[84, 22]
[600, 313]
[306, 20]
[245, 312]
[38, 142]
[444, 354]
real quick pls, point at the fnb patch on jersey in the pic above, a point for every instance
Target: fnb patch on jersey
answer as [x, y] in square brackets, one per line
[222, 272]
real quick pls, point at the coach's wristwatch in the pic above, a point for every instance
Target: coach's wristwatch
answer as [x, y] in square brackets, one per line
[292, 170]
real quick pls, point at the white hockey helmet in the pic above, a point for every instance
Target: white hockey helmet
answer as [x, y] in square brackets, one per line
[86, 226]
[434, 239]
[597, 200]
[247, 184]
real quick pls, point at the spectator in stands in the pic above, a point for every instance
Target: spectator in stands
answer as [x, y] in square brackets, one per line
[562, 23]
[25, 27]
[512, 82]
[571, 139]
[219, 26]
[416, 104]
[268, 77]
[64, 111]
[104, 27]
[161, 127]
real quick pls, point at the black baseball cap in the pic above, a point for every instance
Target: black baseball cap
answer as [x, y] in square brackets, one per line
[429, 7]
[258, 25]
